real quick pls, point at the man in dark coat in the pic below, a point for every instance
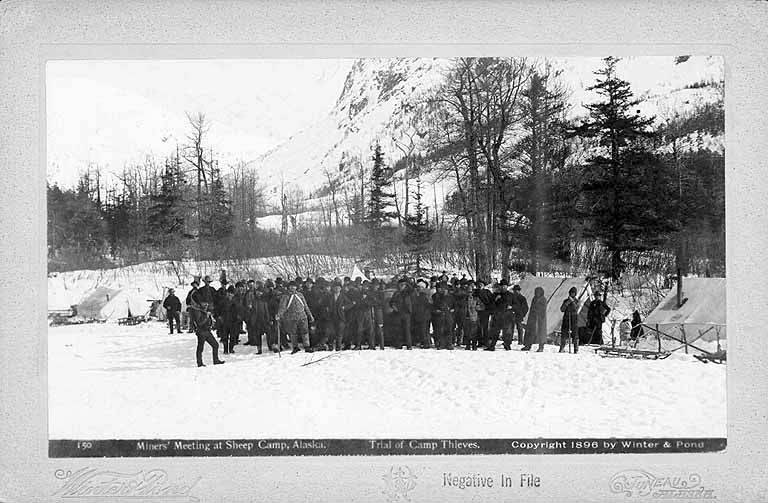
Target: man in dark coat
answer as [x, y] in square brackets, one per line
[536, 328]
[485, 297]
[317, 298]
[442, 310]
[520, 309]
[256, 315]
[273, 303]
[569, 329]
[365, 316]
[190, 296]
[473, 306]
[203, 323]
[501, 321]
[231, 318]
[422, 313]
[598, 311]
[172, 306]
[402, 309]
[460, 295]
[206, 294]
[338, 306]
[377, 302]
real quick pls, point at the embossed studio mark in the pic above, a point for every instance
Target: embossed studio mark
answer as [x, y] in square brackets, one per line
[640, 483]
[106, 484]
[399, 480]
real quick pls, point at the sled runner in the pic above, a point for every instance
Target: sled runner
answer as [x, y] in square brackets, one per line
[609, 351]
[718, 357]
[131, 320]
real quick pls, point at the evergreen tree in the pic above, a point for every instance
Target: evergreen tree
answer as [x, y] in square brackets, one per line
[542, 152]
[418, 232]
[380, 202]
[613, 182]
[218, 222]
[166, 213]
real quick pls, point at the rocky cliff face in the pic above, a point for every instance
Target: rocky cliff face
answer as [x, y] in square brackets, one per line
[375, 105]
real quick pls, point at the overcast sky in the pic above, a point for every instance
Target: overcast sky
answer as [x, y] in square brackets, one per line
[113, 113]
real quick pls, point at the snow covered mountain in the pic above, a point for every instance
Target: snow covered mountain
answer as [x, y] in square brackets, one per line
[373, 106]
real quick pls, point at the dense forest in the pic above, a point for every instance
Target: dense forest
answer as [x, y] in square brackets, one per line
[606, 193]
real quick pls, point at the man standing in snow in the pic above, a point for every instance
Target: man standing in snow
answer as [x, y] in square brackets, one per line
[501, 322]
[422, 312]
[569, 329]
[203, 323]
[172, 306]
[443, 309]
[473, 306]
[256, 315]
[377, 311]
[485, 297]
[230, 320]
[192, 295]
[338, 305]
[402, 309]
[520, 309]
[295, 316]
[206, 295]
[598, 311]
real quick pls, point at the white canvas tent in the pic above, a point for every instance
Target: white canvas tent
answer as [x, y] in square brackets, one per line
[110, 304]
[556, 290]
[356, 273]
[701, 315]
[127, 302]
[91, 304]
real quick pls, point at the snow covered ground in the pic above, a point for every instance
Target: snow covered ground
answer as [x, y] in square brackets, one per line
[120, 382]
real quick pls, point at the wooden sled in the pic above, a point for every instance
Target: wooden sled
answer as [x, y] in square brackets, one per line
[131, 320]
[614, 352]
[718, 357]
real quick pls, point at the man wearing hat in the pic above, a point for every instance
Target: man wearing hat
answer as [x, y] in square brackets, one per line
[192, 295]
[294, 316]
[172, 306]
[422, 312]
[473, 307]
[203, 322]
[377, 301]
[442, 310]
[231, 319]
[206, 294]
[502, 317]
[402, 309]
[338, 306]
[520, 309]
[485, 297]
[256, 315]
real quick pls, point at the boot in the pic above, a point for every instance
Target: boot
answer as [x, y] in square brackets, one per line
[541, 349]
[258, 350]
[200, 365]
[309, 350]
[526, 348]
[295, 350]
[218, 362]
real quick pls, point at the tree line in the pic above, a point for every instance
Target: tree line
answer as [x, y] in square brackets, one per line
[533, 190]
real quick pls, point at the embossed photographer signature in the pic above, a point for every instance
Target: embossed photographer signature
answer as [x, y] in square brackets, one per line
[640, 483]
[107, 484]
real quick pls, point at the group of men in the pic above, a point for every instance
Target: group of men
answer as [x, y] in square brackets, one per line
[341, 314]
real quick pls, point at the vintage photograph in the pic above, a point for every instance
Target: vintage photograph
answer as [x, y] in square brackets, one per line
[277, 253]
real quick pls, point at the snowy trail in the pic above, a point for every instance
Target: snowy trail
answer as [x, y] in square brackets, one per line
[108, 381]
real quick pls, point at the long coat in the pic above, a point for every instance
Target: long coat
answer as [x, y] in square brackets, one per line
[536, 328]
